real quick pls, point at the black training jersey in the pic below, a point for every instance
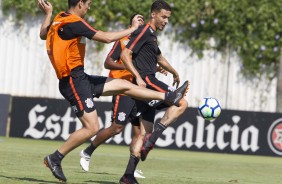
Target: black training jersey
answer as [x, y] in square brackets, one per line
[116, 51]
[75, 29]
[144, 45]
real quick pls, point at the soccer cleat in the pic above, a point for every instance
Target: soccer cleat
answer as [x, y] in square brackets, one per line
[55, 168]
[174, 98]
[84, 161]
[138, 174]
[128, 179]
[146, 147]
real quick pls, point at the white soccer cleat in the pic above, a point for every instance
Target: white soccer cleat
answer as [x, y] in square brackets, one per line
[138, 174]
[84, 161]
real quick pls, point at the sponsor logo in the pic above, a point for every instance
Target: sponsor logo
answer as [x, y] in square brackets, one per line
[235, 135]
[55, 126]
[125, 42]
[89, 103]
[121, 116]
[55, 23]
[209, 136]
[274, 137]
[83, 40]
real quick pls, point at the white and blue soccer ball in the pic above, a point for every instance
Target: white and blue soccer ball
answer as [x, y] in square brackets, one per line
[209, 108]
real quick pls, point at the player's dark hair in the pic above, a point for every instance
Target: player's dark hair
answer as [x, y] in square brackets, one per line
[132, 17]
[158, 5]
[73, 3]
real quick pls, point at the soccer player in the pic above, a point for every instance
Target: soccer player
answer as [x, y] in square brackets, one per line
[124, 109]
[141, 56]
[65, 43]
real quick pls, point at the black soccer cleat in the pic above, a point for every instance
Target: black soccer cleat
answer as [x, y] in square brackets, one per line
[55, 168]
[174, 98]
[146, 147]
[128, 179]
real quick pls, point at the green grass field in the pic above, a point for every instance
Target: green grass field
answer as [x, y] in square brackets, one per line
[21, 161]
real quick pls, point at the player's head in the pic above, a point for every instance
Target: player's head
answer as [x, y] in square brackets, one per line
[160, 13]
[132, 17]
[82, 6]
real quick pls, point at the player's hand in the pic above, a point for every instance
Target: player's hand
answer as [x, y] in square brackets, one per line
[162, 70]
[140, 82]
[176, 80]
[137, 21]
[45, 7]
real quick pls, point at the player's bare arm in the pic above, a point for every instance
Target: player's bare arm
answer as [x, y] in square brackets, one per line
[110, 64]
[108, 37]
[165, 64]
[126, 56]
[46, 8]
[161, 70]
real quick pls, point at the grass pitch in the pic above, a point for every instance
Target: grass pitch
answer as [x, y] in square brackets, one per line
[21, 161]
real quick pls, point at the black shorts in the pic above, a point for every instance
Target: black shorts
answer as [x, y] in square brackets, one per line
[79, 89]
[147, 108]
[124, 110]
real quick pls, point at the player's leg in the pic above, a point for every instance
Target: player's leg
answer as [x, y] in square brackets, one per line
[120, 86]
[145, 126]
[171, 114]
[136, 133]
[101, 137]
[89, 129]
[75, 89]
[121, 109]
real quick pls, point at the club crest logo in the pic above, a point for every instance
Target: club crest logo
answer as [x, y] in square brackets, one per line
[274, 137]
[89, 102]
[74, 108]
[121, 116]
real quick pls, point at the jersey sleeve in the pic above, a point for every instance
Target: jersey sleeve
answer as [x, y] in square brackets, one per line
[159, 51]
[138, 39]
[116, 51]
[75, 29]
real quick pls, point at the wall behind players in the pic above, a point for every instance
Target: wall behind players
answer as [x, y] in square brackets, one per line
[26, 70]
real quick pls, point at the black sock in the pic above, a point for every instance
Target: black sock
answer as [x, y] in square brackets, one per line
[159, 128]
[131, 166]
[90, 149]
[57, 156]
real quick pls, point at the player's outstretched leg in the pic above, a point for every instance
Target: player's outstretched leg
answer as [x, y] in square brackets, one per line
[55, 167]
[174, 98]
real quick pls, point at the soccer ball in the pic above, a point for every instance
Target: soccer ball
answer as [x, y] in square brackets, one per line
[209, 108]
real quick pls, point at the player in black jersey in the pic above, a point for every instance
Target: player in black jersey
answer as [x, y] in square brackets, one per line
[141, 56]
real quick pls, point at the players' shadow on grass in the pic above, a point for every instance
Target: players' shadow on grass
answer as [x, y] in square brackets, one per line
[28, 179]
[100, 182]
